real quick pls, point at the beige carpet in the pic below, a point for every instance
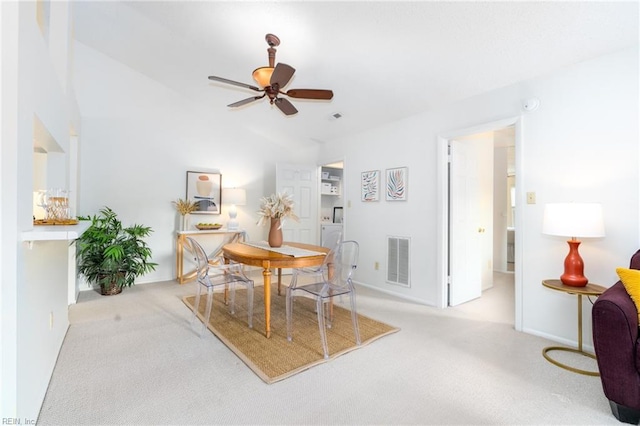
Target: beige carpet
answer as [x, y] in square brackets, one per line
[275, 358]
[133, 359]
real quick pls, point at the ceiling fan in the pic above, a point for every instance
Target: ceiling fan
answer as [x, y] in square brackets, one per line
[272, 79]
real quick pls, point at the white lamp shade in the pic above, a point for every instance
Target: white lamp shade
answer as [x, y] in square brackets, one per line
[237, 196]
[580, 220]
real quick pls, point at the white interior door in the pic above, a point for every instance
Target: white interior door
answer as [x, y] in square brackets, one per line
[302, 182]
[465, 230]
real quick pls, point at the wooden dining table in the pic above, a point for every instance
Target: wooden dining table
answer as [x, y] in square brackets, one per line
[267, 259]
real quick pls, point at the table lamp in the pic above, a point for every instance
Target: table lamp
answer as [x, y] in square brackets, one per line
[235, 197]
[575, 220]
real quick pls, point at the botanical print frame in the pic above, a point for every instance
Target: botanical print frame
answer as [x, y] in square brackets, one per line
[370, 185]
[396, 188]
[205, 188]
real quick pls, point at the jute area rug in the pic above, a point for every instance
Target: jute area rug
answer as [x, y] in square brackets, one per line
[275, 358]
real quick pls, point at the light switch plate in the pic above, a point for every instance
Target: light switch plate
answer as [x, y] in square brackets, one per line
[531, 197]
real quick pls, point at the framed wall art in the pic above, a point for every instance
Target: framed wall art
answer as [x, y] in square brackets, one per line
[205, 188]
[396, 189]
[370, 185]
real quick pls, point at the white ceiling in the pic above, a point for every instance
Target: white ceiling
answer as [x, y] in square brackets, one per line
[383, 60]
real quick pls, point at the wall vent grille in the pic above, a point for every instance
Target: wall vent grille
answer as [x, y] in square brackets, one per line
[398, 260]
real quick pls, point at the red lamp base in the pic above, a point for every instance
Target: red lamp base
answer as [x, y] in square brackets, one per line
[573, 267]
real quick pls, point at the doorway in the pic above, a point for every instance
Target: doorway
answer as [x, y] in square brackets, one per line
[468, 261]
[318, 193]
[331, 204]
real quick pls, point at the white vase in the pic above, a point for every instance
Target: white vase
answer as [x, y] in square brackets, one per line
[185, 222]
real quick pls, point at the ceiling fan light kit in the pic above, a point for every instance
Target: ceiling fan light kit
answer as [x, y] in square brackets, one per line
[262, 76]
[273, 78]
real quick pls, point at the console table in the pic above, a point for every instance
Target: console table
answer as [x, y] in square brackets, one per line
[228, 237]
[588, 290]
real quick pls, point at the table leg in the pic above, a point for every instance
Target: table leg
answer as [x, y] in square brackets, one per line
[226, 287]
[580, 322]
[545, 351]
[279, 281]
[179, 254]
[330, 276]
[266, 274]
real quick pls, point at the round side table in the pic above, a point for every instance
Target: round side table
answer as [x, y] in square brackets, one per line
[588, 290]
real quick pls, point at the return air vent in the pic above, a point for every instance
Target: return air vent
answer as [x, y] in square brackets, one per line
[398, 260]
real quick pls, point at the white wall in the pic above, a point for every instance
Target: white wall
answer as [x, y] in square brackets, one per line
[580, 145]
[34, 280]
[42, 321]
[8, 211]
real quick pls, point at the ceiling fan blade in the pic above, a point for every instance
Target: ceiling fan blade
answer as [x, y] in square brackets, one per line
[245, 101]
[285, 106]
[310, 93]
[282, 74]
[235, 83]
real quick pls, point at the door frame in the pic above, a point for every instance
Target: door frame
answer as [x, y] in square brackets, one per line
[442, 260]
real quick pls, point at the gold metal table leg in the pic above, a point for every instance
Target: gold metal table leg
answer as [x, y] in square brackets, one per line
[568, 367]
[545, 351]
[179, 260]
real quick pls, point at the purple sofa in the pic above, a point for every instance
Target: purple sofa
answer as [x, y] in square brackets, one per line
[615, 339]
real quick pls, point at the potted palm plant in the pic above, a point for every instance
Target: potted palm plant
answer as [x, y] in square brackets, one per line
[113, 256]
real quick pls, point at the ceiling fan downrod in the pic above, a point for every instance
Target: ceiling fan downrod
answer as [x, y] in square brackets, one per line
[273, 41]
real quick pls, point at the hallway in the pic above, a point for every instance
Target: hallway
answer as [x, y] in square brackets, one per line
[497, 304]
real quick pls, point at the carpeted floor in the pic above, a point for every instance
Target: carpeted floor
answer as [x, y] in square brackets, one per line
[276, 358]
[134, 359]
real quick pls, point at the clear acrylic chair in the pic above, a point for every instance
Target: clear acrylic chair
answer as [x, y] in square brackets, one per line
[315, 271]
[339, 265]
[218, 274]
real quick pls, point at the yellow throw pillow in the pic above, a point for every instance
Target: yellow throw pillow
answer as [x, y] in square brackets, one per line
[631, 281]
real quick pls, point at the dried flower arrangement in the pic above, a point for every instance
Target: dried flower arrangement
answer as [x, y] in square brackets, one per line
[276, 206]
[185, 206]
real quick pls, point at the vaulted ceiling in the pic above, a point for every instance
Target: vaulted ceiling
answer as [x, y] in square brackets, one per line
[383, 60]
